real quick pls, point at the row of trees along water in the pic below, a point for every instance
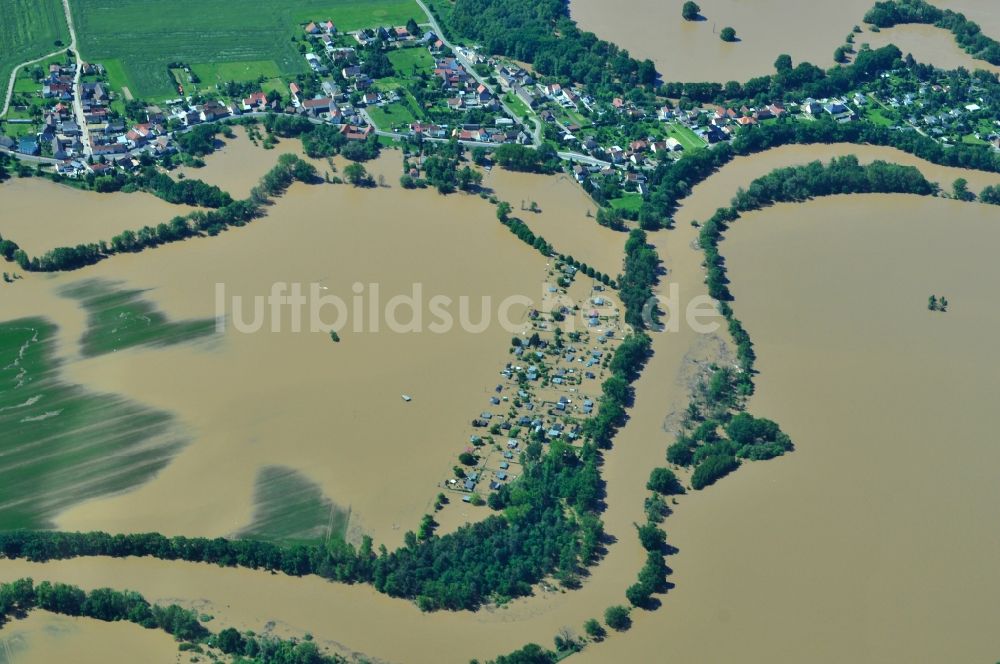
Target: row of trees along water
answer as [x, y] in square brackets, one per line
[20, 597]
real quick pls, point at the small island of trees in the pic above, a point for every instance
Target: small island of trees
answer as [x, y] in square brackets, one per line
[937, 303]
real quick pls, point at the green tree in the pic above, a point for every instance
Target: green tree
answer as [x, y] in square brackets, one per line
[617, 618]
[690, 11]
[783, 63]
[727, 34]
[594, 629]
[356, 174]
[960, 190]
[663, 481]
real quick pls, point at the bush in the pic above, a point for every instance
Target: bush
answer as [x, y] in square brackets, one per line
[713, 468]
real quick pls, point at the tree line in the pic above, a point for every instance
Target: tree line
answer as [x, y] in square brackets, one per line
[541, 32]
[670, 182]
[211, 222]
[967, 33]
[20, 597]
[720, 437]
[546, 524]
[320, 140]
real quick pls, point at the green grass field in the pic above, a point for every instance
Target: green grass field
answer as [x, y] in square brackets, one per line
[290, 508]
[392, 115]
[685, 137]
[146, 35]
[877, 116]
[630, 202]
[28, 29]
[516, 105]
[408, 61]
[61, 443]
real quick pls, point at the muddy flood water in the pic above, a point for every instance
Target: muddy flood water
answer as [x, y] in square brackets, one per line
[808, 31]
[331, 411]
[71, 216]
[45, 638]
[885, 502]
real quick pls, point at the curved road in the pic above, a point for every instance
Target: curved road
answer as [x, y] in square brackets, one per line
[536, 132]
[77, 105]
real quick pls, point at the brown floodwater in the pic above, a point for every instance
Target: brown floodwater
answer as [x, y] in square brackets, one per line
[238, 165]
[296, 399]
[40, 216]
[874, 540]
[201, 383]
[563, 218]
[927, 44]
[46, 638]
[808, 31]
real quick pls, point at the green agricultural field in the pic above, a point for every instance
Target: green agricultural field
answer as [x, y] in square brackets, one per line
[408, 61]
[351, 15]
[63, 444]
[28, 29]
[213, 73]
[290, 508]
[147, 35]
[120, 319]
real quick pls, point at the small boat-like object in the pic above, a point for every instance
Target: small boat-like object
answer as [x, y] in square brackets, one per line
[406, 397]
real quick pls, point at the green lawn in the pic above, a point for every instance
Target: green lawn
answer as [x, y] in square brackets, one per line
[63, 444]
[392, 115]
[28, 29]
[685, 136]
[877, 115]
[408, 61]
[516, 104]
[146, 35]
[630, 202]
[973, 140]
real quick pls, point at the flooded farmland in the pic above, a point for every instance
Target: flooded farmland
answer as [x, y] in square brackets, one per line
[808, 31]
[73, 216]
[43, 638]
[341, 422]
[199, 382]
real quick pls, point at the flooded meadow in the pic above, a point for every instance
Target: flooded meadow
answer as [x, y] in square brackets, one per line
[807, 31]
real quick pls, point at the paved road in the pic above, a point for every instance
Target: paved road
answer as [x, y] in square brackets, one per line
[81, 120]
[77, 105]
[536, 132]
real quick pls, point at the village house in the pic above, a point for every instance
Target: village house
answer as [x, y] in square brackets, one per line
[212, 110]
[319, 107]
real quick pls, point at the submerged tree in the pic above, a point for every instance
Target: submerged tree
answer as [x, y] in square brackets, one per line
[690, 11]
[727, 34]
